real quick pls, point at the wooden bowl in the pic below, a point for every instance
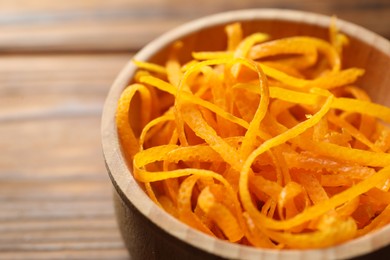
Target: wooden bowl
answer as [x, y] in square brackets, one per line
[148, 231]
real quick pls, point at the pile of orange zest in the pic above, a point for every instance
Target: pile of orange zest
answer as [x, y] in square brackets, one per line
[266, 143]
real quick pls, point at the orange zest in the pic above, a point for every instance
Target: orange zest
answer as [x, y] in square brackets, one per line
[267, 143]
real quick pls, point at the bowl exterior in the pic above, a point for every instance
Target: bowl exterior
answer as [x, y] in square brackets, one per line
[146, 240]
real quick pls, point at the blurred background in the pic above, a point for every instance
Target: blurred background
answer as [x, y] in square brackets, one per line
[57, 62]
[126, 25]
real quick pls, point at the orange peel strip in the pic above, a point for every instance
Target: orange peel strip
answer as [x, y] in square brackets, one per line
[322, 46]
[345, 104]
[333, 235]
[162, 85]
[184, 205]
[125, 132]
[150, 67]
[220, 215]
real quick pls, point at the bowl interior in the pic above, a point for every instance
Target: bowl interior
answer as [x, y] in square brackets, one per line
[365, 50]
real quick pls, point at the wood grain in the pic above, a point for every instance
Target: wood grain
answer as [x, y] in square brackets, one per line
[57, 62]
[55, 195]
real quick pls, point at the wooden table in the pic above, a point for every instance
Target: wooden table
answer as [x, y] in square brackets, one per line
[58, 60]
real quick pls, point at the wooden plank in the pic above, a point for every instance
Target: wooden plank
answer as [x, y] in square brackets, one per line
[52, 230]
[39, 86]
[46, 205]
[61, 246]
[84, 36]
[54, 238]
[112, 254]
[59, 235]
[128, 25]
[52, 149]
[53, 191]
[59, 74]
[52, 225]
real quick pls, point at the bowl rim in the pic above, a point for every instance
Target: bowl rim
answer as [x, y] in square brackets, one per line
[132, 193]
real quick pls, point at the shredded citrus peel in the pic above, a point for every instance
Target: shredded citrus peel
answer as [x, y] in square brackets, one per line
[267, 143]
